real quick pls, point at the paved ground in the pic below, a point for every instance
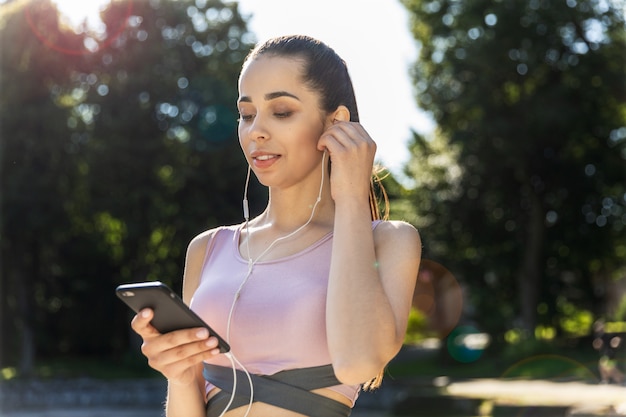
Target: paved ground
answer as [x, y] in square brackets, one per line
[125, 412]
[585, 400]
[541, 392]
[86, 412]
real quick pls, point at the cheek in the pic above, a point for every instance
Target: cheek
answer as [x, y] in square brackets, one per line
[305, 139]
[241, 134]
[314, 132]
[242, 140]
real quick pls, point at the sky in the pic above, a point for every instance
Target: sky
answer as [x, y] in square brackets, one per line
[373, 37]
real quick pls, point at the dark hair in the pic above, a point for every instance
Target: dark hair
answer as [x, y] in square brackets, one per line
[325, 72]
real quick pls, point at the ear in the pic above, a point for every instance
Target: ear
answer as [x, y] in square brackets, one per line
[342, 114]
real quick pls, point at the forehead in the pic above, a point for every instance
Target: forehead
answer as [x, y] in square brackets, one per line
[266, 74]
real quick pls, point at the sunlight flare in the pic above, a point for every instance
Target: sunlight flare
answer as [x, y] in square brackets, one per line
[83, 16]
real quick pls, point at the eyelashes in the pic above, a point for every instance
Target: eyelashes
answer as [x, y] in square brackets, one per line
[278, 115]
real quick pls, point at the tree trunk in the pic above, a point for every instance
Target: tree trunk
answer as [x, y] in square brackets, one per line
[615, 296]
[530, 272]
[27, 341]
[3, 307]
[23, 279]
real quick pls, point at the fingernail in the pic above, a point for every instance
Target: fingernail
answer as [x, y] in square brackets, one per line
[145, 314]
[202, 334]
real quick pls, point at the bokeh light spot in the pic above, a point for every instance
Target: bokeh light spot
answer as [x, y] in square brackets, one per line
[439, 297]
[38, 16]
[466, 344]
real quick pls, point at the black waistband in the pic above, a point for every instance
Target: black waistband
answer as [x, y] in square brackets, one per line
[287, 389]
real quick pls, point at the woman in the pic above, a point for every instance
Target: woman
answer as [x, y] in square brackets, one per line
[314, 292]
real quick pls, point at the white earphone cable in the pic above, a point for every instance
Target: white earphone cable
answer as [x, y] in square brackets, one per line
[251, 263]
[317, 201]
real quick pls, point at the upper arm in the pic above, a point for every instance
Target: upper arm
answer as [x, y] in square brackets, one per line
[398, 254]
[194, 261]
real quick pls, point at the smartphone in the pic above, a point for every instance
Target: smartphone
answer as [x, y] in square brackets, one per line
[170, 311]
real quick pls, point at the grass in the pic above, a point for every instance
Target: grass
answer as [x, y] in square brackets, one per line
[534, 362]
[106, 368]
[540, 362]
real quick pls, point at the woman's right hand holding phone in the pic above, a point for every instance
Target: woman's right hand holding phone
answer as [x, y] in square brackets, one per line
[175, 354]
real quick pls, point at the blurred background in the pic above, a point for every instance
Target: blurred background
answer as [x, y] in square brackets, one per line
[118, 145]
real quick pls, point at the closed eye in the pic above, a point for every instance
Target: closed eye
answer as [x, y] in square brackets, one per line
[283, 115]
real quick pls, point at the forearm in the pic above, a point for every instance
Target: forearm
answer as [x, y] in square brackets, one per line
[185, 401]
[361, 324]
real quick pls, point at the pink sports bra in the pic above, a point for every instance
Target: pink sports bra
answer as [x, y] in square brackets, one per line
[279, 320]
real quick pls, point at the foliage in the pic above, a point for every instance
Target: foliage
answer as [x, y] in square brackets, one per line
[417, 327]
[529, 359]
[574, 322]
[118, 148]
[523, 189]
[620, 314]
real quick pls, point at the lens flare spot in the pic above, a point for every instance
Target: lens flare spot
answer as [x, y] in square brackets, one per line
[438, 295]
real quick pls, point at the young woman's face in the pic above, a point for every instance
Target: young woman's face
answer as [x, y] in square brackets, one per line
[280, 121]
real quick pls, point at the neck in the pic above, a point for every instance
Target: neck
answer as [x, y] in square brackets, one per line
[309, 201]
[292, 211]
[282, 220]
[289, 209]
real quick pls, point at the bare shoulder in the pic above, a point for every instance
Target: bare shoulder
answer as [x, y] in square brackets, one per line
[194, 261]
[199, 243]
[397, 234]
[398, 255]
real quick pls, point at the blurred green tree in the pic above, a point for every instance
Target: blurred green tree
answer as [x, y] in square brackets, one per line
[36, 173]
[522, 191]
[126, 149]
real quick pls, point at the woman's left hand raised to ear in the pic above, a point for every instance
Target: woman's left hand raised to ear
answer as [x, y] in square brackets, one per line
[352, 151]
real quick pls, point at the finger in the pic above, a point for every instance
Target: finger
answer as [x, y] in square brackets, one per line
[341, 145]
[177, 362]
[350, 135]
[141, 323]
[352, 129]
[178, 339]
[168, 352]
[175, 370]
[334, 139]
[356, 134]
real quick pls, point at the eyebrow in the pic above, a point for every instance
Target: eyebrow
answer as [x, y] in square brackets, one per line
[270, 96]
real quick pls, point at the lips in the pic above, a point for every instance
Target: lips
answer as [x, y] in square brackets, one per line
[265, 157]
[262, 159]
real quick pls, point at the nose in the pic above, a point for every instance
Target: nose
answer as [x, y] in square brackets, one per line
[258, 129]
